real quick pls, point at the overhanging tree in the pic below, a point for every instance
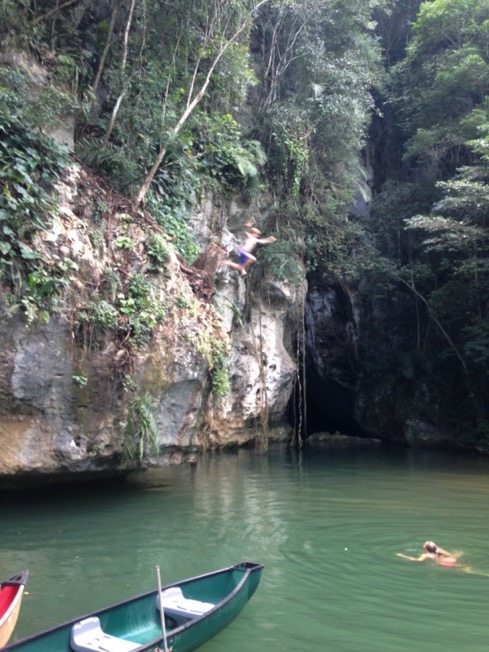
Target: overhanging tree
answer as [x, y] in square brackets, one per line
[222, 24]
[444, 77]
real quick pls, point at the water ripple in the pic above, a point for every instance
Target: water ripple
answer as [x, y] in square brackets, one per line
[327, 526]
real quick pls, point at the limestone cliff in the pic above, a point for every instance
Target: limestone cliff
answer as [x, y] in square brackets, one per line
[66, 385]
[132, 321]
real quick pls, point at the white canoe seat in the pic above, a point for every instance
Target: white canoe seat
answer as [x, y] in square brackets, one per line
[174, 601]
[87, 636]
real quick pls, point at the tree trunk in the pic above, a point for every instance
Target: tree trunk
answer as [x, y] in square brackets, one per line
[192, 103]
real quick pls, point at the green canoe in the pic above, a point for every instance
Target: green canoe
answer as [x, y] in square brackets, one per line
[194, 611]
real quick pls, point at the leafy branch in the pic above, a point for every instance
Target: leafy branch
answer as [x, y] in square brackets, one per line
[194, 95]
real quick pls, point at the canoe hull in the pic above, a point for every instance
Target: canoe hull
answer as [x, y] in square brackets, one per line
[138, 619]
[11, 593]
[193, 637]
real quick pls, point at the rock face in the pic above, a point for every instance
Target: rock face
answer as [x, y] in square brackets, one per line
[66, 388]
[332, 323]
[337, 440]
[356, 382]
[262, 370]
[11, 57]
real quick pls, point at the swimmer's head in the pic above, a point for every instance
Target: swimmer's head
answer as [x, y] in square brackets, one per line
[430, 546]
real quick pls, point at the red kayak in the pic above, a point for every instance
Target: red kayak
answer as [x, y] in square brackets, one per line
[11, 592]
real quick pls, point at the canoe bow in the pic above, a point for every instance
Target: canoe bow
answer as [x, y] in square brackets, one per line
[11, 593]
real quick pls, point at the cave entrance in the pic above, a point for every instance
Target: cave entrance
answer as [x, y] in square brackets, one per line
[324, 396]
[322, 406]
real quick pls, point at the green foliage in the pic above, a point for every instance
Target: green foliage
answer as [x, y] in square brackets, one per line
[141, 434]
[448, 236]
[143, 308]
[215, 351]
[81, 381]
[36, 106]
[123, 242]
[477, 343]
[317, 64]
[322, 62]
[172, 214]
[152, 81]
[447, 24]
[322, 98]
[30, 162]
[30, 165]
[131, 311]
[108, 160]
[101, 314]
[444, 77]
[394, 22]
[291, 147]
[182, 301]
[222, 153]
[221, 384]
[282, 257]
[13, 17]
[157, 249]
[446, 266]
[390, 209]
[212, 148]
[40, 296]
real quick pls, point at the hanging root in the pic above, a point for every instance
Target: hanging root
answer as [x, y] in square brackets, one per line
[261, 436]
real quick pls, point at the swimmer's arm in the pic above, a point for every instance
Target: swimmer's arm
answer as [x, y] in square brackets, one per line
[420, 558]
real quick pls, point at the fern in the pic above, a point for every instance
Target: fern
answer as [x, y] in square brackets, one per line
[97, 154]
[246, 167]
[141, 429]
[108, 160]
[256, 150]
[217, 298]
[248, 158]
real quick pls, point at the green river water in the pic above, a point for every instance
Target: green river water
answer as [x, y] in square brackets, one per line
[326, 525]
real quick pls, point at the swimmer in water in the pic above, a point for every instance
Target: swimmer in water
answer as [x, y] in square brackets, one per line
[442, 558]
[436, 554]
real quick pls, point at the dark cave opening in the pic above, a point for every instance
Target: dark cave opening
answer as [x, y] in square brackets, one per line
[322, 405]
[329, 406]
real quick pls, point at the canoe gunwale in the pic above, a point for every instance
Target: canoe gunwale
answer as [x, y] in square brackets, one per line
[16, 580]
[248, 568]
[19, 580]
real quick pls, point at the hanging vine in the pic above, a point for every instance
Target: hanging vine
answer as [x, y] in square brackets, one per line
[300, 388]
[261, 432]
